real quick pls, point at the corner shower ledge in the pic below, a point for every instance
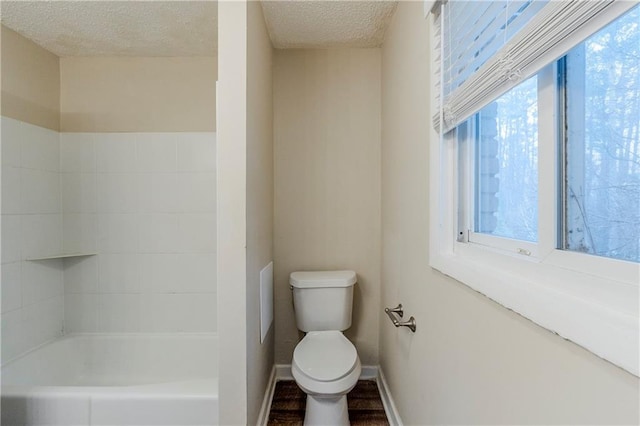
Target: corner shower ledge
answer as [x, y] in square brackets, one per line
[61, 256]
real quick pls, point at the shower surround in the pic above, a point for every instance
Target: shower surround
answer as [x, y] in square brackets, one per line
[127, 324]
[143, 203]
[146, 203]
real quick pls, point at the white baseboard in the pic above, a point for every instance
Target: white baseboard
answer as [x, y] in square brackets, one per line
[369, 372]
[283, 372]
[263, 417]
[387, 401]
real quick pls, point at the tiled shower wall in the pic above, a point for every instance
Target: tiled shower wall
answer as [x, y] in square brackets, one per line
[32, 291]
[145, 202]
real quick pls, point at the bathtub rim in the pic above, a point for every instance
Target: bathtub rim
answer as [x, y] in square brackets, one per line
[188, 388]
[68, 336]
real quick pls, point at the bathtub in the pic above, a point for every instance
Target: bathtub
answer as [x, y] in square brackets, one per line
[114, 379]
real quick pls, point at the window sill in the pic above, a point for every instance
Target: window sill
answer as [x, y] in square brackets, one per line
[598, 314]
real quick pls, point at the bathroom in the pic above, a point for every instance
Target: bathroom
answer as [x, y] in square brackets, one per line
[313, 151]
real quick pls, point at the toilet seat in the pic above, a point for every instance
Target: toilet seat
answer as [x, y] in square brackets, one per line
[325, 356]
[325, 362]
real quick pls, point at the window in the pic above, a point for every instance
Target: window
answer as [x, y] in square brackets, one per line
[598, 83]
[602, 179]
[536, 180]
[506, 159]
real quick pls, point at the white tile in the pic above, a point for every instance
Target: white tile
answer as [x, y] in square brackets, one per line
[41, 280]
[178, 313]
[198, 272]
[178, 273]
[118, 312]
[80, 233]
[41, 235]
[11, 190]
[31, 155]
[77, 152]
[206, 318]
[89, 193]
[72, 233]
[40, 191]
[160, 192]
[80, 313]
[11, 238]
[40, 148]
[43, 321]
[156, 152]
[13, 338]
[160, 273]
[197, 192]
[117, 193]
[118, 233]
[11, 139]
[11, 287]
[79, 192]
[159, 233]
[81, 275]
[116, 152]
[197, 152]
[71, 191]
[197, 232]
[119, 273]
[54, 309]
[151, 317]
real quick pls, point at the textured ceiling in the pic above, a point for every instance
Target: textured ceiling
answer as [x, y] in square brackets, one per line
[186, 27]
[117, 28]
[304, 24]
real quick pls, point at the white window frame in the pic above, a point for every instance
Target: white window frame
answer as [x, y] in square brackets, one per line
[547, 217]
[590, 300]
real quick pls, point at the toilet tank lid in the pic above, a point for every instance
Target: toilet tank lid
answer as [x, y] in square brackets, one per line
[322, 279]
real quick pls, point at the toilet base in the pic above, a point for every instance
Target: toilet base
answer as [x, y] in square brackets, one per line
[326, 411]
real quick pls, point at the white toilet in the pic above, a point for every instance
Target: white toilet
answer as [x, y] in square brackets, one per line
[325, 363]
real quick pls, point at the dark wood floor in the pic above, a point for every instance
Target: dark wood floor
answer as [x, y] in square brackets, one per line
[365, 405]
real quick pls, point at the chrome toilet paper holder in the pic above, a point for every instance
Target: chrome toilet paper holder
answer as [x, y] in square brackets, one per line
[411, 323]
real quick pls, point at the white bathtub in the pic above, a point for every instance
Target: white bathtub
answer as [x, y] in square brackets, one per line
[114, 379]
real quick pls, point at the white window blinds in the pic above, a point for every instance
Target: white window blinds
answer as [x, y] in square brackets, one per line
[484, 48]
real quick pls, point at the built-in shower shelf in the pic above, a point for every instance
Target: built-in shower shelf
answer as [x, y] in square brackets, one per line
[62, 256]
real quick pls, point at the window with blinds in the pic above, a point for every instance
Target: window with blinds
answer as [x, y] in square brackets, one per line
[535, 175]
[485, 48]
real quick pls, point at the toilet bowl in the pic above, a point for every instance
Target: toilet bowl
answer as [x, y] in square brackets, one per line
[326, 367]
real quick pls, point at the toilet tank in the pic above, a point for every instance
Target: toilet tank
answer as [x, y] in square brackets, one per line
[322, 300]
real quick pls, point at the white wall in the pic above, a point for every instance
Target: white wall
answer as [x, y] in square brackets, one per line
[138, 94]
[327, 182]
[30, 82]
[232, 210]
[245, 206]
[259, 201]
[32, 291]
[471, 361]
[145, 202]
